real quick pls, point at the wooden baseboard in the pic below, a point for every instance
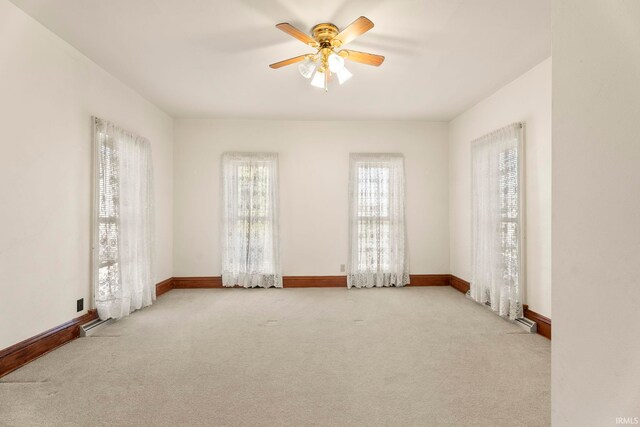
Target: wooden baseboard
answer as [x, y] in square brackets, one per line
[298, 282]
[20, 354]
[197, 282]
[429, 280]
[459, 284]
[341, 281]
[164, 286]
[543, 323]
[287, 282]
[314, 281]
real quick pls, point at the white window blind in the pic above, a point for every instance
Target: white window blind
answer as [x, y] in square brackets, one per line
[250, 247]
[123, 235]
[377, 255]
[497, 277]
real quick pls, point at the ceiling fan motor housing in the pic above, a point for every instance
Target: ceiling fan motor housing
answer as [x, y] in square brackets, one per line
[324, 34]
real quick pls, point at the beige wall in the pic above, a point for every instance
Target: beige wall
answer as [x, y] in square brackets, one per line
[48, 93]
[596, 212]
[314, 162]
[527, 99]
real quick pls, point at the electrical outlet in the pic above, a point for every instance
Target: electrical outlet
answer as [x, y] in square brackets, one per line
[80, 304]
[343, 268]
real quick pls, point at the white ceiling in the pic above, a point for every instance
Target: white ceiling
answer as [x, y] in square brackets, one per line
[209, 58]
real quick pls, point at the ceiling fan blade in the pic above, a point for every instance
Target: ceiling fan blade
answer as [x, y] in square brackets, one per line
[294, 32]
[362, 57]
[355, 29]
[288, 61]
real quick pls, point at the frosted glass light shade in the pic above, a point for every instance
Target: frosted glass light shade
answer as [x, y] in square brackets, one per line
[336, 63]
[318, 80]
[306, 68]
[343, 75]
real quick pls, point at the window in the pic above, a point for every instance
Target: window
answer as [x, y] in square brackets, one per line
[510, 213]
[373, 218]
[377, 242]
[250, 245]
[108, 220]
[497, 221]
[123, 218]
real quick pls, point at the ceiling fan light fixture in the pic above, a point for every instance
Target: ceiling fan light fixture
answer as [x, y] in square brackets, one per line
[307, 67]
[336, 62]
[318, 79]
[343, 75]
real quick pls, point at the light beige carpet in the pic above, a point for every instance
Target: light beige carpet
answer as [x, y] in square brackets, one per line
[422, 356]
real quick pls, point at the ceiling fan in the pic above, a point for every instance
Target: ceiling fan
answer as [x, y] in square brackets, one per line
[326, 61]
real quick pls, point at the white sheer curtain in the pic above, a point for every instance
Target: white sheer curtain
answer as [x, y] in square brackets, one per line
[250, 251]
[497, 220]
[377, 233]
[123, 239]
